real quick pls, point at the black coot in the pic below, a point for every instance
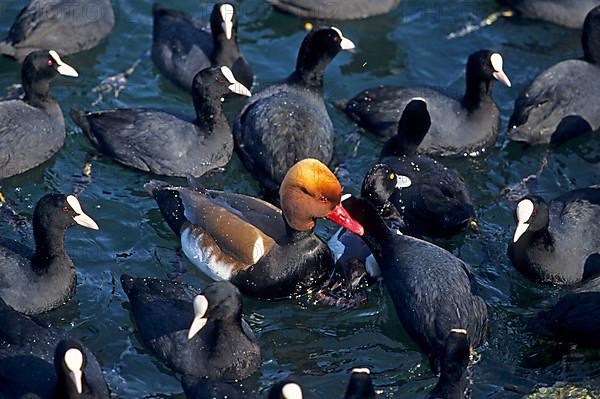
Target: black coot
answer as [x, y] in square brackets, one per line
[432, 199]
[63, 25]
[467, 125]
[32, 130]
[37, 281]
[183, 45]
[433, 291]
[566, 13]
[288, 121]
[574, 318]
[561, 103]
[360, 385]
[196, 333]
[162, 143]
[37, 361]
[558, 243]
[349, 9]
[453, 383]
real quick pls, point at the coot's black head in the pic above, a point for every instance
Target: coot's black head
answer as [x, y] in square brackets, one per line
[215, 82]
[318, 48]
[69, 363]
[485, 66]
[379, 184]
[58, 211]
[360, 385]
[531, 215]
[456, 355]
[285, 390]
[223, 22]
[219, 301]
[590, 37]
[39, 68]
[412, 128]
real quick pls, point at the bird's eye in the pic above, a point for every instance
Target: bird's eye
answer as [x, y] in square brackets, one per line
[323, 198]
[220, 80]
[50, 62]
[65, 209]
[392, 176]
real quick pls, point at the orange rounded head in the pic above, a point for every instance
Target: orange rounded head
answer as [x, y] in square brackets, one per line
[309, 191]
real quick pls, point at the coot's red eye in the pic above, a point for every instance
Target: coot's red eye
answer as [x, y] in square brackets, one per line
[50, 62]
[220, 80]
[65, 209]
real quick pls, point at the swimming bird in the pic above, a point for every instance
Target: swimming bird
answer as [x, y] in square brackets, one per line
[37, 361]
[360, 385]
[32, 129]
[452, 383]
[288, 121]
[199, 333]
[562, 102]
[266, 252]
[163, 143]
[432, 290]
[559, 242]
[350, 9]
[65, 26]
[38, 281]
[572, 319]
[182, 45]
[569, 14]
[432, 199]
[467, 125]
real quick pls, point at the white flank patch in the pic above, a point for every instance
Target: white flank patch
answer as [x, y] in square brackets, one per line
[259, 250]
[203, 257]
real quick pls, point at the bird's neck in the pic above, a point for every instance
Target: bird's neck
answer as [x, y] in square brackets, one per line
[476, 92]
[37, 94]
[49, 245]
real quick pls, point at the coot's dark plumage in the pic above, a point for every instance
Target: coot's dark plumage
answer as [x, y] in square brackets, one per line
[35, 282]
[559, 242]
[32, 130]
[459, 126]
[562, 102]
[574, 318]
[453, 383]
[566, 13]
[65, 26]
[432, 199]
[349, 9]
[266, 252]
[205, 388]
[183, 45]
[432, 290]
[360, 385]
[288, 121]
[162, 143]
[32, 361]
[199, 333]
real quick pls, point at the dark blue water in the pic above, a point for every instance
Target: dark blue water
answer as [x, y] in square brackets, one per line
[317, 345]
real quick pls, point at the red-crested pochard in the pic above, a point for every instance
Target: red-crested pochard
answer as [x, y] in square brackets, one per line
[266, 252]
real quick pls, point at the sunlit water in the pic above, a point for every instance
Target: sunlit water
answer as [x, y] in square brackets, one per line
[315, 344]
